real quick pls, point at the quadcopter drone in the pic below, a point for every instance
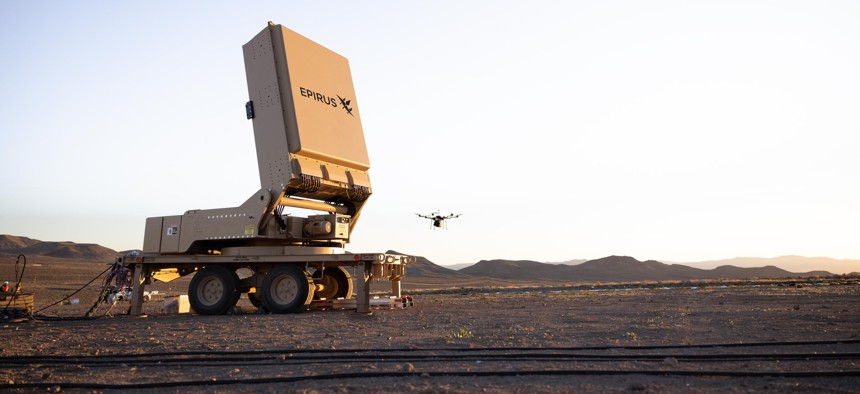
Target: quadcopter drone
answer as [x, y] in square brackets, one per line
[438, 220]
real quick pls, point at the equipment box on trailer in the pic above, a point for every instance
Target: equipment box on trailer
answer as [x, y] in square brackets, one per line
[311, 155]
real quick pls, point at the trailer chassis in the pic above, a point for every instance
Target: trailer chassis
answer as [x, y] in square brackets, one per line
[264, 261]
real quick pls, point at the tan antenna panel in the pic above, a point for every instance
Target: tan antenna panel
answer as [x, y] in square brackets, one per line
[307, 124]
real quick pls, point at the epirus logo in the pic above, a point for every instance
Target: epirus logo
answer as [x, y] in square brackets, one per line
[345, 103]
[326, 99]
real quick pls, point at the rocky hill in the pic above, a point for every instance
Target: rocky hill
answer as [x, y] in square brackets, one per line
[520, 269]
[10, 242]
[425, 268]
[425, 274]
[14, 245]
[625, 268]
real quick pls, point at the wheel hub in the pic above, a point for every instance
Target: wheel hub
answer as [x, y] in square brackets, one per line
[329, 287]
[210, 291]
[286, 289]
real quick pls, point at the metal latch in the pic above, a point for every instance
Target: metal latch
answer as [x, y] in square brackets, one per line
[249, 109]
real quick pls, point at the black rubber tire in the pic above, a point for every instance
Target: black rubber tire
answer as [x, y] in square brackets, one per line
[338, 284]
[213, 290]
[287, 288]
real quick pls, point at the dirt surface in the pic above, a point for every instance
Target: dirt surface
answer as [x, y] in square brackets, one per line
[400, 349]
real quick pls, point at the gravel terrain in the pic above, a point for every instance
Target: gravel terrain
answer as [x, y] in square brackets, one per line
[639, 338]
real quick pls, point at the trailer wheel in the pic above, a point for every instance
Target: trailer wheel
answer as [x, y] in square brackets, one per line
[213, 290]
[337, 283]
[287, 289]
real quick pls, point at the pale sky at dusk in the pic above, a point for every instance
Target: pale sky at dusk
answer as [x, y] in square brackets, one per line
[670, 130]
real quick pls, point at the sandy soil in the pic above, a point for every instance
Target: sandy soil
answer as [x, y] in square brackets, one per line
[444, 323]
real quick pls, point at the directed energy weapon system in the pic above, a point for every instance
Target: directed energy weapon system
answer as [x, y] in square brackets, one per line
[311, 155]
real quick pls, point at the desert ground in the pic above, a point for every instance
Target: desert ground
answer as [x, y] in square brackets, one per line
[773, 336]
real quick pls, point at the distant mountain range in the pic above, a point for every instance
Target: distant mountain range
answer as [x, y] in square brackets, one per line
[424, 273]
[490, 272]
[788, 263]
[622, 269]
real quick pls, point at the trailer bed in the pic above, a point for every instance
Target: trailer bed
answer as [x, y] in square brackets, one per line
[366, 267]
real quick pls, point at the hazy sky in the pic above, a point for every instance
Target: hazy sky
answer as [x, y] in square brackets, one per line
[676, 130]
